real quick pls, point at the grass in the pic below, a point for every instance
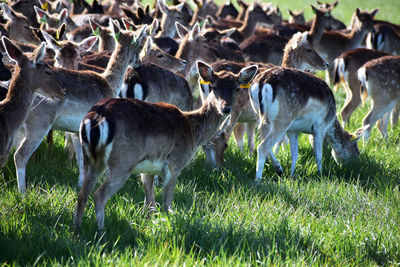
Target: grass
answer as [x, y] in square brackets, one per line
[349, 216]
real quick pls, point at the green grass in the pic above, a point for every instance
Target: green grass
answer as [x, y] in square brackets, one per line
[349, 216]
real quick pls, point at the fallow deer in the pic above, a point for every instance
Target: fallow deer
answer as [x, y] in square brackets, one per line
[346, 67]
[380, 80]
[290, 101]
[299, 54]
[159, 139]
[334, 43]
[31, 75]
[17, 26]
[385, 38]
[83, 89]
[51, 20]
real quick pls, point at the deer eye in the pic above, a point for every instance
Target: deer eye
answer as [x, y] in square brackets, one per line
[160, 56]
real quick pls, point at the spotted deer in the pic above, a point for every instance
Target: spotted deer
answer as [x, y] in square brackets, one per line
[290, 101]
[298, 54]
[155, 139]
[31, 75]
[380, 80]
[346, 67]
[83, 89]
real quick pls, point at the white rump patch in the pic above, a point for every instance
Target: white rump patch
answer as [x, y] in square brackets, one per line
[138, 91]
[255, 103]
[362, 77]
[271, 107]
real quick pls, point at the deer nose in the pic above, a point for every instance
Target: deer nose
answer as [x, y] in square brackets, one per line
[326, 65]
[226, 110]
[184, 62]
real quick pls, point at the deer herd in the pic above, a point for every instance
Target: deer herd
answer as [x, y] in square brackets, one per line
[138, 89]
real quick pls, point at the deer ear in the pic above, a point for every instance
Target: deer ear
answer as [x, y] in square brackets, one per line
[358, 11]
[8, 13]
[96, 29]
[142, 35]
[153, 27]
[13, 52]
[41, 15]
[291, 13]
[63, 15]
[115, 30]
[128, 25]
[195, 31]
[53, 44]
[247, 74]
[88, 43]
[205, 71]
[181, 30]
[314, 9]
[374, 11]
[60, 31]
[162, 6]
[40, 53]
[179, 7]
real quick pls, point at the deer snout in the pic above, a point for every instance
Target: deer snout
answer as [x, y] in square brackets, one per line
[226, 110]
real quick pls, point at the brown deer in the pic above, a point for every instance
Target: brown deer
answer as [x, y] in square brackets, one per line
[334, 43]
[299, 54]
[346, 67]
[380, 80]
[17, 26]
[290, 101]
[83, 89]
[159, 139]
[385, 38]
[31, 75]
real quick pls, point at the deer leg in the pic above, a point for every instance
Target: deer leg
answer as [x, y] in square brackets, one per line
[251, 127]
[238, 133]
[91, 175]
[353, 100]
[79, 156]
[394, 118]
[382, 125]
[318, 141]
[168, 188]
[275, 133]
[294, 150]
[68, 145]
[148, 185]
[29, 144]
[118, 175]
[377, 111]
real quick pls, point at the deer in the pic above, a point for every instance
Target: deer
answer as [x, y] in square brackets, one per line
[380, 80]
[268, 48]
[385, 38]
[31, 75]
[290, 101]
[161, 141]
[298, 54]
[334, 43]
[51, 20]
[345, 72]
[83, 89]
[17, 26]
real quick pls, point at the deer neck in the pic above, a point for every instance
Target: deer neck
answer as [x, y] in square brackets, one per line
[17, 103]
[117, 67]
[317, 29]
[289, 61]
[249, 25]
[205, 121]
[356, 36]
[337, 136]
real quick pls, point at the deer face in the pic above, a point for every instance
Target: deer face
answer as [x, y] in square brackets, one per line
[365, 20]
[225, 85]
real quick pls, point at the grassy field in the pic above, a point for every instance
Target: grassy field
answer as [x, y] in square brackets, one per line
[349, 216]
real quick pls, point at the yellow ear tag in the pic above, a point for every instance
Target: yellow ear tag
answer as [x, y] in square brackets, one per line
[353, 137]
[245, 86]
[204, 82]
[45, 6]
